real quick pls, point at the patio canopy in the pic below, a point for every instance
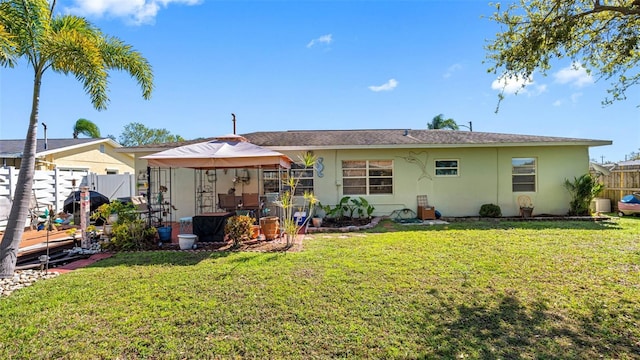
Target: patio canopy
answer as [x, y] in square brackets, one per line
[229, 151]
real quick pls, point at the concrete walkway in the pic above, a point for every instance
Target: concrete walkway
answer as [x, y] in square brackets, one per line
[81, 263]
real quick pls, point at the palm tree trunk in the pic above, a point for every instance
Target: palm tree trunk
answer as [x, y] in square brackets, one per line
[22, 197]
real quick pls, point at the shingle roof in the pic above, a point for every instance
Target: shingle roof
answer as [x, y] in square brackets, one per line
[402, 137]
[317, 139]
[14, 148]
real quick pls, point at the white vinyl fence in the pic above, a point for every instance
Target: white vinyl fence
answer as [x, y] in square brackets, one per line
[52, 187]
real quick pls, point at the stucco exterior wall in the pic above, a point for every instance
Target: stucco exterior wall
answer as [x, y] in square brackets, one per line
[484, 176]
[93, 159]
[554, 165]
[414, 174]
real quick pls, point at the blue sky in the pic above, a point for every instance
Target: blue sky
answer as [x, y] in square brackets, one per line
[285, 65]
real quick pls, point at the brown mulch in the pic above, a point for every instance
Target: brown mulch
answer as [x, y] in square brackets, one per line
[275, 245]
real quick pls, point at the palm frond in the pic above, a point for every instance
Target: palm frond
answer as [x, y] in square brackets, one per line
[120, 56]
[86, 127]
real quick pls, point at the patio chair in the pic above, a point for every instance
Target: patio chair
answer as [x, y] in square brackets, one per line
[250, 201]
[227, 202]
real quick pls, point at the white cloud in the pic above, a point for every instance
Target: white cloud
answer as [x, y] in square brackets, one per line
[557, 103]
[135, 11]
[388, 86]
[575, 97]
[539, 89]
[575, 74]
[512, 84]
[324, 39]
[453, 68]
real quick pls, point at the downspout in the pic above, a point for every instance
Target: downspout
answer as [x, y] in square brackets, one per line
[337, 171]
[497, 178]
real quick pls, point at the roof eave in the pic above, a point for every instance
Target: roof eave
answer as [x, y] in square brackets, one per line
[435, 146]
[78, 146]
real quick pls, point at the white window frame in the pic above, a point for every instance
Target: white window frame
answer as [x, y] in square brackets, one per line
[456, 168]
[368, 177]
[519, 169]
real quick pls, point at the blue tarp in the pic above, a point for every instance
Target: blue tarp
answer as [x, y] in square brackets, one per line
[631, 199]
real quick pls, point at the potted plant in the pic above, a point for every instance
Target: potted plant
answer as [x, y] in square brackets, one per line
[526, 211]
[164, 228]
[318, 216]
[526, 206]
[103, 213]
[115, 212]
[316, 221]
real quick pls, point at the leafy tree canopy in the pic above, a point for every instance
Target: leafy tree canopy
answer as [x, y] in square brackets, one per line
[136, 134]
[603, 36]
[439, 122]
[633, 155]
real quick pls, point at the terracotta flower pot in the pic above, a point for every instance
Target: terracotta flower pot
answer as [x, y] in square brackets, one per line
[526, 212]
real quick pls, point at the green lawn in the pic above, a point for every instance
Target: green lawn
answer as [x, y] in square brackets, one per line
[553, 290]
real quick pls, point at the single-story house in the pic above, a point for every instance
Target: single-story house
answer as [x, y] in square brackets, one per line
[93, 155]
[459, 171]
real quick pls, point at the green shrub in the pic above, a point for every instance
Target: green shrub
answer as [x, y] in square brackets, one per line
[132, 235]
[349, 207]
[238, 228]
[582, 189]
[490, 210]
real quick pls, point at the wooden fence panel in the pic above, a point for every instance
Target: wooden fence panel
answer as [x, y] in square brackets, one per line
[622, 180]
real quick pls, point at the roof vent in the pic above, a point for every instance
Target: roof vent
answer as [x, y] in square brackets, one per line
[45, 135]
[406, 132]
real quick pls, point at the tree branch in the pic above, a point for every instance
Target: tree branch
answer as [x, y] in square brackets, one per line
[597, 8]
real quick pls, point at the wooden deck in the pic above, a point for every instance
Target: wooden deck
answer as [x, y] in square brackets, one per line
[35, 240]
